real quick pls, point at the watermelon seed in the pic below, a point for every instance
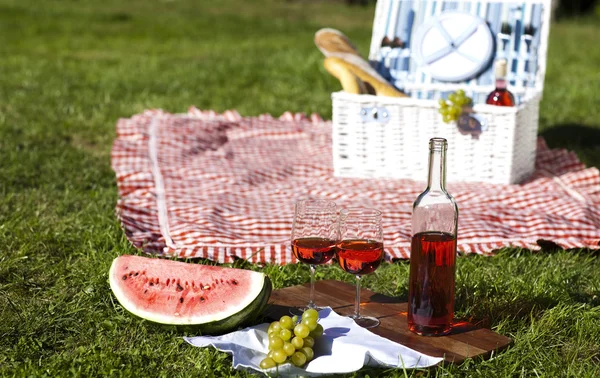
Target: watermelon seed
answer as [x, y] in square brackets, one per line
[124, 277]
[136, 274]
[221, 280]
[181, 300]
[168, 281]
[145, 291]
[151, 283]
[205, 287]
[234, 282]
[202, 299]
[179, 288]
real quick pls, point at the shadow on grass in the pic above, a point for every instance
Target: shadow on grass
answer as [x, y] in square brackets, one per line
[497, 307]
[548, 247]
[572, 135]
[583, 139]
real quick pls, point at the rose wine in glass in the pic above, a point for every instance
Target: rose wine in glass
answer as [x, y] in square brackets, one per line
[313, 250]
[359, 256]
[314, 234]
[360, 250]
[433, 251]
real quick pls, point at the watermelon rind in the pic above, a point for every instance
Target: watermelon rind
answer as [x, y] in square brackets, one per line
[242, 318]
[238, 314]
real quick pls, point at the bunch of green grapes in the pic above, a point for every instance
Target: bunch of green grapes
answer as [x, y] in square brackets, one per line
[291, 340]
[451, 110]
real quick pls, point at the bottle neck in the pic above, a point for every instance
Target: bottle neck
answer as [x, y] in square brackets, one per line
[501, 83]
[437, 169]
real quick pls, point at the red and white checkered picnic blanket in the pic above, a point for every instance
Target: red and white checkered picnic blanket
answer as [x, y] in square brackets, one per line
[222, 186]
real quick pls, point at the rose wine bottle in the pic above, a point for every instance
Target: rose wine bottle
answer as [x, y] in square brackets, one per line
[433, 251]
[500, 96]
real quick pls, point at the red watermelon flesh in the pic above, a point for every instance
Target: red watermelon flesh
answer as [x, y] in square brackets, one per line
[178, 293]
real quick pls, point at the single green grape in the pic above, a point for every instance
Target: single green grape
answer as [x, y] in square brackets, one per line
[446, 118]
[309, 342]
[311, 323]
[295, 319]
[267, 363]
[442, 111]
[279, 356]
[276, 343]
[288, 348]
[285, 334]
[442, 103]
[274, 327]
[286, 322]
[297, 342]
[460, 92]
[452, 97]
[308, 352]
[317, 332]
[301, 330]
[270, 354]
[310, 313]
[298, 359]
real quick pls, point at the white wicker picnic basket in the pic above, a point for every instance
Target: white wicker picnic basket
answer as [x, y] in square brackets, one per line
[376, 136]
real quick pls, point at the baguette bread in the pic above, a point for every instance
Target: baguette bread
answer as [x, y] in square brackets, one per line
[332, 41]
[350, 82]
[379, 87]
[341, 55]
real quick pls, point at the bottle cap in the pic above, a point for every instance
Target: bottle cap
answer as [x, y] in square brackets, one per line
[500, 69]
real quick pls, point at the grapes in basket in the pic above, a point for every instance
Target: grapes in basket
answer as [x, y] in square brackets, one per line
[451, 109]
[292, 339]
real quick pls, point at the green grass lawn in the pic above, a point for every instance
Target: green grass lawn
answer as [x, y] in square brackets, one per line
[69, 69]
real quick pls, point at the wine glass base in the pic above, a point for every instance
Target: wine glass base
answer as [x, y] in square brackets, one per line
[300, 310]
[366, 321]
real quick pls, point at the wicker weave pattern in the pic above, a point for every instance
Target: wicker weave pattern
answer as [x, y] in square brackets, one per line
[503, 154]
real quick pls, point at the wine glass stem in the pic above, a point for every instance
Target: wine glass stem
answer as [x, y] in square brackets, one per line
[357, 299]
[311, 300]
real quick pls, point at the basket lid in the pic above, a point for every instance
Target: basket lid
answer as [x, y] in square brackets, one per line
[428, 43]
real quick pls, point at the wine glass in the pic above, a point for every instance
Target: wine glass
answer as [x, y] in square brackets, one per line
[314, 238]
[360, 250]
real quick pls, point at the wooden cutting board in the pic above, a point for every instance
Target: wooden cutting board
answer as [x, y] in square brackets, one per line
[465, 341]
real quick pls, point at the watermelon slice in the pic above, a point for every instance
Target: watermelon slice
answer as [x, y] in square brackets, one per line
[212, 299]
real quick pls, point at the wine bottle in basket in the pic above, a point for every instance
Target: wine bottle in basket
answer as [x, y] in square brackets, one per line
[433, 251]
[501, 96]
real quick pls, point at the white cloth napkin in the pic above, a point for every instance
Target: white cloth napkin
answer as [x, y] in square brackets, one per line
[344, 347]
